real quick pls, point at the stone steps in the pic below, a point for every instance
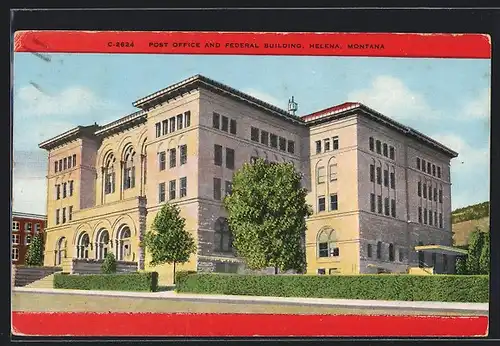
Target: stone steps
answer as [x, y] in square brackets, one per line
[46, 282]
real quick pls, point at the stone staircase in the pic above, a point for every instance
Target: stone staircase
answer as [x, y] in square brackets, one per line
[46, 282]
[23, 276]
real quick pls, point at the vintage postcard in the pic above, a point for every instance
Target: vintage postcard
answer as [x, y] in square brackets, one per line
[250, 184]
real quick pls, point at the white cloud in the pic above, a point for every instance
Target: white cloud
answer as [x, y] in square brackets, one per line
[390, 96]
[478, 108]
[267, 98]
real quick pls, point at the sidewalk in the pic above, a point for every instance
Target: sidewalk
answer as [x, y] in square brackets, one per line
[353, 303]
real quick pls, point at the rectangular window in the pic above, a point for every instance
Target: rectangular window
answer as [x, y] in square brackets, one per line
[401, 255]
[327, 144]
[423, 165]
[229, 158]
[183, 154]
[254, 134]
[372, 173]
[172, 157]
[440, 220]
[38, 226]
[429, 167]
[60, 165]
[15, 226]
[435, 218]
[435, 194]
[15, 239]
[273, 139]
[162, 160]
[392, 154]
[71, 187]
[318, 147]
[282, 144]
[419, 189]
[179, 121]
[425, 216]
[70, 213]
[372, 202]
[425, 190]
[15, 254]
[440, 196]
[321, 203]
[57, 216]
[291, 147]
[27, 226]
[63, 215]
[74, 160]
[430, 217]
[393, 207]
[171, 122]
[379, 175]
[420, 214]
[372, 143]
[333, 172]
[65, 163]
[187, 118]
[386, 178]
[439, 172]
[58, 191]
[264, 137]
[433, 259]
[217, 189]
[379, 147]
[65, 189]
[393, 180]
[322, 252]
[430, 193]
[386, 206]
[385, 151]
[183, 189]
[164, 127]
[232, 126]
[418, 163]
[216, 120]
[158, 129]
[171, 189]
[434, 170]
[379, 204]
[69, 162]
[334, 202]
[445, 263]
[225, 124]
[217, 155]
[335, 141]
[229, 188]
[369, 252]
[161, 192]
[321, 175]
[55, 166]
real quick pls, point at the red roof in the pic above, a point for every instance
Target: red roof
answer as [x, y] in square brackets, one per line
[330, 110]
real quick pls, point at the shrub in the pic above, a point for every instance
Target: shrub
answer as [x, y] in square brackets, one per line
[450, 288]
[109, 264]
[146, 281]
[34, 256]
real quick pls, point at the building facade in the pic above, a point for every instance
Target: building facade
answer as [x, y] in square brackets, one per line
[106, 183]
[24, 227]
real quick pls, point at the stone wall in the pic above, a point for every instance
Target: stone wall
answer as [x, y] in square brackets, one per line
[89, 266]
[23, 275]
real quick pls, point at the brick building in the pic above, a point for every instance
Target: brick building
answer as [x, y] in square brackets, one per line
[24, 227]
[378, 188]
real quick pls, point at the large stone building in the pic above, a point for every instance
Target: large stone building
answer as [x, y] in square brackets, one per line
[377, 187]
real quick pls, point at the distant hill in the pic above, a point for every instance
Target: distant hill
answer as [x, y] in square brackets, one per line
[467, 219]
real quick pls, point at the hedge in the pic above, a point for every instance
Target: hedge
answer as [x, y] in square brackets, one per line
[138, 281]
[404, 287]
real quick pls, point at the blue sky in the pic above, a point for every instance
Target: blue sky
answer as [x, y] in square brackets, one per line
[447, 99]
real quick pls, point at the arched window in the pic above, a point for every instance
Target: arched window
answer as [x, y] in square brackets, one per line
[102, 244]
[223, 241]
[129, 168]
[391, 252]
[109, 174]
[60, 250]
[327, 243]
[82, 248]
[421, 256]
[124, 246]
[379, 250]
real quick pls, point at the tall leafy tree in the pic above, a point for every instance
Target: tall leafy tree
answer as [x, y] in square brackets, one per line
[461, 265]
[168, 241]
[476, 241]
[34, 256]
[484, 258]
[267, 215]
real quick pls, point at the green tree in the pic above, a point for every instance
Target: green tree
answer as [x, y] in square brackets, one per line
[484, 258]
[461, 265]
[476, 240]
[109, 264]
[34, 256]
[168, 241]
[267, 213]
